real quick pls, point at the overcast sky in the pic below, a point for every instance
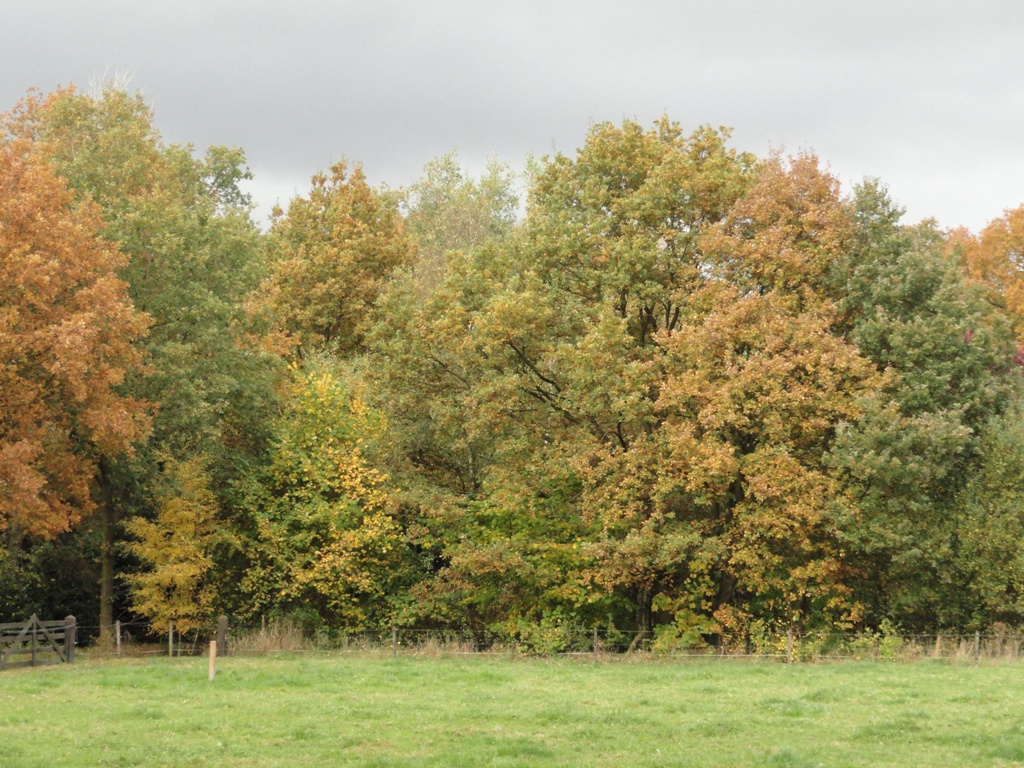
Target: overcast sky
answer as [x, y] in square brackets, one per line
[928, 96]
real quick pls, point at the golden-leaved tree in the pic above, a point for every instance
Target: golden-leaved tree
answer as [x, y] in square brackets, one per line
[322, 535]
[328, 258]
[996, 258]
[754, 394]
[178, 546]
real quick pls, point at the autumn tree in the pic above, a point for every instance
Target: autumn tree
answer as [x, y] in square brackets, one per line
[322, 536]
[184, 225]
[537, 353]
[727, 490]
[67, 330]
[624, 413]
[995, 257]
[754, 395]
[192, 259]
[328, 258]
[178, 548]
[692, 391]
[446, 210]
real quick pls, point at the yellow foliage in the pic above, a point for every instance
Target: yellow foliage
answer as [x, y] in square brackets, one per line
[176, 545]
[327, 537]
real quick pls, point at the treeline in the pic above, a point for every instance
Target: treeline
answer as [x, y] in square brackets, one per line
[692, 390]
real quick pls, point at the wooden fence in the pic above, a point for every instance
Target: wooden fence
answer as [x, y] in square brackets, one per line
[34, 642]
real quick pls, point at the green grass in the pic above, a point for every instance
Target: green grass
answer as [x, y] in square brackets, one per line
[471, 711]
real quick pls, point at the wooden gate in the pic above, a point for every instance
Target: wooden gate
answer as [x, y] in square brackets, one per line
[34, 642]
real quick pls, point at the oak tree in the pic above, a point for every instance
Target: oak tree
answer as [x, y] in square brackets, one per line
[67, 335]
[192, 257]
[328, 257]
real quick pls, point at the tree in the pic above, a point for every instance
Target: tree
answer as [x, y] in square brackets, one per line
[446, 211]
[177, 546]
[530, 391]
[996, 258]
[322, 535]
[620, 224]
[948, 355]
[328, 258]
[984, 571]
[755, 392]
[192, 259]
[717, 506]
[67, 330]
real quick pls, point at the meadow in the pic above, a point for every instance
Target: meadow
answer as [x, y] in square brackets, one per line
[367, 710]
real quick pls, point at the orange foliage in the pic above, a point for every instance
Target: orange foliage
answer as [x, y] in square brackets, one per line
[996, 258]
[66, 333]
[751, 403]
[786, 231]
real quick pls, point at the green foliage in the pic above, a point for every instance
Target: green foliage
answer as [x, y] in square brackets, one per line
[447, 211]
[548, 397]
[985, 574]
[53, 578]
[192, 259]
[886, 643]
[686, 631]
[18, 586]
[554, 632]
[692, 391]
[761, 395]
[948, 356]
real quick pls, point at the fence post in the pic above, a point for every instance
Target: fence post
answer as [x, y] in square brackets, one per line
[70, 630]
[222, 635]
[597, 648]
[789, 645]
[213, 659]
[117, 636]
[977, 647]
[170, 639]
[938, 647]
[34, 620]
[394, 643]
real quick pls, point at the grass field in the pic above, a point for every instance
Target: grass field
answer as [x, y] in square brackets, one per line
[472, 711]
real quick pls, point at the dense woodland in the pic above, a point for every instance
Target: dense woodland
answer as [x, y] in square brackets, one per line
[690, 390]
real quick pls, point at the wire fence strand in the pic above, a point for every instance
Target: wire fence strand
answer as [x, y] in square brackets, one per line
[140, 639]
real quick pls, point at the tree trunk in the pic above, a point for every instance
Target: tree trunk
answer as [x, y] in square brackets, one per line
[14, 538]
[643, 618]
[107, 522]
[106, 570]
